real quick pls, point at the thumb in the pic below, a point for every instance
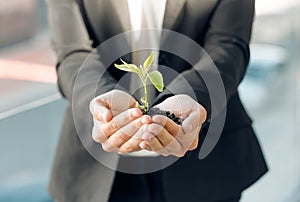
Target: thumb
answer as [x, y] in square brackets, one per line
[100, 111]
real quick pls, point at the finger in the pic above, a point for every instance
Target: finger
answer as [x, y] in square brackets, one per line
[106, 146]
[131, 145]
[172, 127]
[191, 123]
[195, 119]
[166, 139]
[144, 145]
[176, 145]
[125, 134]
[96, 135]
[120, 121]
[155, 144]
[101, 112]
[121, 144]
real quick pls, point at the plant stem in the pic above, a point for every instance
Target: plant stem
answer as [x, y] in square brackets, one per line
[146, 97]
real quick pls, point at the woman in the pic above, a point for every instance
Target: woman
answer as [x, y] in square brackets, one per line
[223, 29]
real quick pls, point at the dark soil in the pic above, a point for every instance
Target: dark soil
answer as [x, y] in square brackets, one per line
[157, 111]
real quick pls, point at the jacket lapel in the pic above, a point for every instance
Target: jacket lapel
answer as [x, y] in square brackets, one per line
[173, 9]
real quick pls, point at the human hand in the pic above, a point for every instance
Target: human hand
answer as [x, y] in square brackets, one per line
[166, 137]
[117, 123]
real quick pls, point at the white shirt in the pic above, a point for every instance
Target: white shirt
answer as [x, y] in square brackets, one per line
[153, 13]
[145, 14]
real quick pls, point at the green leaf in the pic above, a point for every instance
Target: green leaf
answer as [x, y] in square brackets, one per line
[148, 62]
[123, 68]
[157, 80]
[128, 67]
[133, 67]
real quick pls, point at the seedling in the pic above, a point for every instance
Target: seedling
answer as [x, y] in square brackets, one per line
[143, 72]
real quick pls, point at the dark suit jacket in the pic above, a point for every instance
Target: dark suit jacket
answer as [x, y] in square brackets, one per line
[223, 28]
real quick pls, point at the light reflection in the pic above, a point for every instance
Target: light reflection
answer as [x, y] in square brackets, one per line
[11, 69]
[264, 7]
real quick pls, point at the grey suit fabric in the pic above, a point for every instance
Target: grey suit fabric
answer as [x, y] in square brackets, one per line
[223, 28]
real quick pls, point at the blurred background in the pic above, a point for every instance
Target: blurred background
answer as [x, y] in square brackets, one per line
[31, 109]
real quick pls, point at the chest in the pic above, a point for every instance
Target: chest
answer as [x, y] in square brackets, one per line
[107, 18]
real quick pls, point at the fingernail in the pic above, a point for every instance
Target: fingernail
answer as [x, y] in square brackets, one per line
[153, 130]
[145, 120]
[144, 128]
[136, 113]
[157, 119]
[144, 145]
[147, 136]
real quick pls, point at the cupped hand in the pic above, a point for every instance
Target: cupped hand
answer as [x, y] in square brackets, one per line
[118, 124]
[166, 137]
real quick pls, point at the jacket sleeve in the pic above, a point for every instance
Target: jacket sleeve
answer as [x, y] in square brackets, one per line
[72, 44]
[227, 43]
